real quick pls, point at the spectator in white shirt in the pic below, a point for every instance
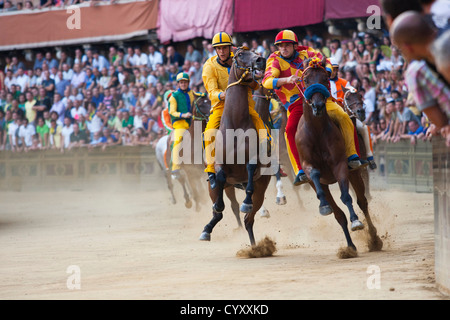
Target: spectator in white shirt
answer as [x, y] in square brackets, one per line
[22, 80]
[99, 61]
[78, 78]
[154, 57]
[13, 131]
[59, 107]
[336, 50]
[105, 79]
[66, 131]
[78, 109]
[140, 59]
[26, 133]
[9, 79]
[67, 72]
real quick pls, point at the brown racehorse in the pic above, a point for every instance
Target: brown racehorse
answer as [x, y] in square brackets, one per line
[321, 149]
[239, 165]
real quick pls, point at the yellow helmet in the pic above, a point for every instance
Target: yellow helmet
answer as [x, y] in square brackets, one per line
[221, 39]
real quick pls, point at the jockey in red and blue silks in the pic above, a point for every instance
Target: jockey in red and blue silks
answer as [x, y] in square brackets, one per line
[284, 69]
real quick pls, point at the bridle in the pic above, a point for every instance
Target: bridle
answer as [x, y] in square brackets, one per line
[307, 93]
[347, 106]
[247, 70]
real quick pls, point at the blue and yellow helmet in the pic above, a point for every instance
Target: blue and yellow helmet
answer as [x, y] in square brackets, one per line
[221, 39]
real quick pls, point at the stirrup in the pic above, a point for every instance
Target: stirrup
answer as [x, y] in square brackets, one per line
[300, 179]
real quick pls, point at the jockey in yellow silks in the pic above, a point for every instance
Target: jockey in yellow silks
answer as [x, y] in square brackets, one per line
[181, 103]
[215, 78]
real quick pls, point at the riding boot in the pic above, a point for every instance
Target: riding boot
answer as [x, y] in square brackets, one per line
[355, 163]
[301, 178]
[212, 179]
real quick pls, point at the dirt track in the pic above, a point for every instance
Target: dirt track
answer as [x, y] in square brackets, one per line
[138, 246]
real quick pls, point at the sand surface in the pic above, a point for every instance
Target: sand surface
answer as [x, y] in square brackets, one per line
[136, 245]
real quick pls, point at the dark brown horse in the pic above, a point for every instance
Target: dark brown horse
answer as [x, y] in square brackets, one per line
[321, 150]
[240, 165]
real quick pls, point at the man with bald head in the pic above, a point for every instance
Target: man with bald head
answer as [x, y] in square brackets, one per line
[441, 54]
[414, 35]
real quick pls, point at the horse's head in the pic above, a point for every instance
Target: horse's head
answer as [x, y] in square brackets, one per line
[202, 107]
[316, 84]
[354, 103]
[248, 65]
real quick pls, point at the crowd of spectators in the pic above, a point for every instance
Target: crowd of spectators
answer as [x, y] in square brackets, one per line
[90, 99]
[28, 5]
[103, 96]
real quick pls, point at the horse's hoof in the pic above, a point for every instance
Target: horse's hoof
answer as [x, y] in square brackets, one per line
[205, 236]
[246, 208]
[264, 213]
[357, 225]
[325, 210]
[188, 204]
[281, 200]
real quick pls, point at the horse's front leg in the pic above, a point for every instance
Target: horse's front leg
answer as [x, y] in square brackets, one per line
[324, 207]
[343, 182]
[218, 205]
[247, 205]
